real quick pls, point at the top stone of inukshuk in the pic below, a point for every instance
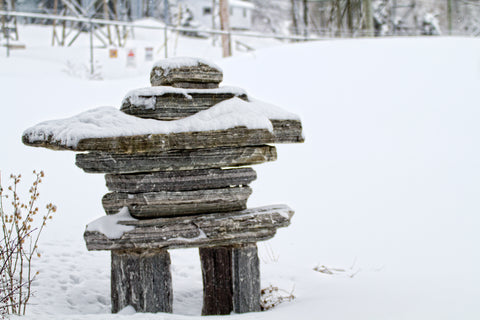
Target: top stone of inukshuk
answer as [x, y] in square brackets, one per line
[186, 73]
[175, 149]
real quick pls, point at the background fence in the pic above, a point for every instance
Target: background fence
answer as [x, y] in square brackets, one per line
[107, 21]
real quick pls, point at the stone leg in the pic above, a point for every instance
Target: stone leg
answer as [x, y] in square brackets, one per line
[217, 280]
[231, 279]
[141, 279]
[246, 278]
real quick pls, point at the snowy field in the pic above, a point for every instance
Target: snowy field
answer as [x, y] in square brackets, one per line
[386, 186]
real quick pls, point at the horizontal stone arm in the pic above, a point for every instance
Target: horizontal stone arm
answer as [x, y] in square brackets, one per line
[213, 229]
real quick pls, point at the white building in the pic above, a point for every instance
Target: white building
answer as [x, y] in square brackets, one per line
[240, 12]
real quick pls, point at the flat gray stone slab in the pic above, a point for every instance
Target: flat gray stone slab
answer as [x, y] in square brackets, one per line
[238, 136]
[177, 203]
[284, 131]
[185, 180]
[231, 123]
[102, 162]
[168, 103]
[208, 230]
[287, 131]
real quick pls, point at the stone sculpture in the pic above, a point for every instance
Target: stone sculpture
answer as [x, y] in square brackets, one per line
[184, 183]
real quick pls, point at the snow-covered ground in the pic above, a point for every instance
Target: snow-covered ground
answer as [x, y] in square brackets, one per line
[386, 186]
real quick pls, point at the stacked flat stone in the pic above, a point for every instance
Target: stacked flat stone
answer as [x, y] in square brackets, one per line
[187, 189]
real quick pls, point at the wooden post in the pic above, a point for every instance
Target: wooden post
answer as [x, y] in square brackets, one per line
[231, 279]
[54, 22]
[92, 61]
[225, 26]
[165, 39]
[141, 279]
[106, 16]
[15, 27]
[64, 28]
[117, 28]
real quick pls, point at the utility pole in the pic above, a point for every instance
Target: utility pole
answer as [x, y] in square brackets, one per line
[92, 61]
[225, 26]
[449, 16]
[106, 16]
[368, 18]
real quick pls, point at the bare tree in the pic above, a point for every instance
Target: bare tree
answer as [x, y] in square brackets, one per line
[271, 15]
[368, 14]
[295, 17]
[305, 18]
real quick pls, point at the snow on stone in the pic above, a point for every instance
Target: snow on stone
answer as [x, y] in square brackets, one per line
[148, 102]
[140, 96]
[271, 111]
[109, 226]
[179, 62]
[106, 122]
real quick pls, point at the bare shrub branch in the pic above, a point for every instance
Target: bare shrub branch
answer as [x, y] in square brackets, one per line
[21, 232]
[273, 296]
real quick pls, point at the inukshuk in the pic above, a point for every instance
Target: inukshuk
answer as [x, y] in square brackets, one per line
[175, 158]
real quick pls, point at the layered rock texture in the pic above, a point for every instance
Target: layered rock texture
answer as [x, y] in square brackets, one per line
[176, 159]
